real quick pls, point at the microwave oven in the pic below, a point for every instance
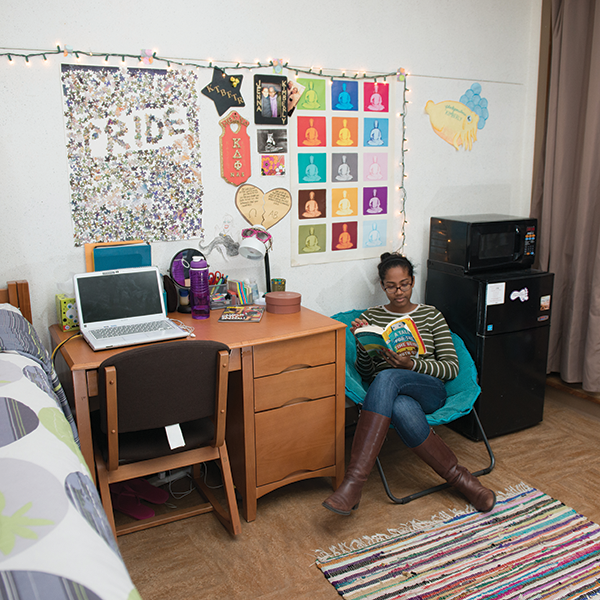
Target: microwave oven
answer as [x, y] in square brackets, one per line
[476, 243]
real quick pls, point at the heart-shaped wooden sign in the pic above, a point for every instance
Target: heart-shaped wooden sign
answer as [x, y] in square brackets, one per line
[263, 209]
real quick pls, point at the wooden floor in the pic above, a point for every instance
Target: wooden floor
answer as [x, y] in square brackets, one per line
[274, 556]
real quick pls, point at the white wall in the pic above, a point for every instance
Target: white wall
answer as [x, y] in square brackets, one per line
[445, 44]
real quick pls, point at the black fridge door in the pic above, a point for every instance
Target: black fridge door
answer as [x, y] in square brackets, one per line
[513, 301]
[512, 376]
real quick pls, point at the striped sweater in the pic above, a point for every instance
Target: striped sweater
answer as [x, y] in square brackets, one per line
[440, 358]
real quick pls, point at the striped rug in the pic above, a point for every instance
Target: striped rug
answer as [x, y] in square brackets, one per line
[530, 547]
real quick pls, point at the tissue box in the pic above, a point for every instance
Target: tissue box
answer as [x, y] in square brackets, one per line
[66, 313]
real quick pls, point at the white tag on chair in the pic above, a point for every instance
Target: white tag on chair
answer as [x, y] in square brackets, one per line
[175, 436]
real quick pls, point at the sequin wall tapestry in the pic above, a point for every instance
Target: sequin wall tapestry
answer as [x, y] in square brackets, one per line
[342, 171]
[134, 153]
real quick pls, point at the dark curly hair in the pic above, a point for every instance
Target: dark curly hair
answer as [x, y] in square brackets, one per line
[394, 259]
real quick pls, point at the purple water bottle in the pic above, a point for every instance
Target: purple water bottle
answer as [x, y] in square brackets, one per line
[200, 295]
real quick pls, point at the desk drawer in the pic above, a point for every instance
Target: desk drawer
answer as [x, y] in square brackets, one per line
[294, 439]
[290, 387]
[309, 351]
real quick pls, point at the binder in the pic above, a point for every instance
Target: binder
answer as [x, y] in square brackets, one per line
[90, 248]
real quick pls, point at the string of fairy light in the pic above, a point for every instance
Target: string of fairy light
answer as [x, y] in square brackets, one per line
[148, 57]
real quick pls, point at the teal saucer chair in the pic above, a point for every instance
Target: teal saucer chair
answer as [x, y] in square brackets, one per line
[462, 392]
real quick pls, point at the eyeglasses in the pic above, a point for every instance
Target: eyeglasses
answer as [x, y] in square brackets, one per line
[393, 288]
[260, 234]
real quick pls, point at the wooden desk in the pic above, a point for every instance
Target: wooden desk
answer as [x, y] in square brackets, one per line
[286, 403]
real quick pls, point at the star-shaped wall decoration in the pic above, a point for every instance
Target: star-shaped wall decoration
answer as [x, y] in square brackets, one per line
[224, 90]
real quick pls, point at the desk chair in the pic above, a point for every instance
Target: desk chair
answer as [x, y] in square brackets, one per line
[144, 389]
[462, 392]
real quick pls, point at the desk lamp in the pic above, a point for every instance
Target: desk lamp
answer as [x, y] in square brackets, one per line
[256, 243]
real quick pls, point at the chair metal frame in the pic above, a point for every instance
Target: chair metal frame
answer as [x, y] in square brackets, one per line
[442, 486]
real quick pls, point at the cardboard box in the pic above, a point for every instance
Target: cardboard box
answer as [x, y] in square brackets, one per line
[66, 313]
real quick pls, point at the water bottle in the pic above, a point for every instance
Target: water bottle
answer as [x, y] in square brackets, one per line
[254, 287]
[200, 295]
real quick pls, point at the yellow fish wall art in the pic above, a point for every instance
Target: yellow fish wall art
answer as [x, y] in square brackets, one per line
[454, 122]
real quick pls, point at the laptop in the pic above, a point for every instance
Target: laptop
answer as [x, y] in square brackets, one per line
[123, 307]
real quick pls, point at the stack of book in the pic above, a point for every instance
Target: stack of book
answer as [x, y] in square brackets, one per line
[241, 290]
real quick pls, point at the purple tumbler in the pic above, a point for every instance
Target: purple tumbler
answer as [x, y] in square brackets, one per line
[200, 295]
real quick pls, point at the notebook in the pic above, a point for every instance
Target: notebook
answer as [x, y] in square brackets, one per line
[123, 307]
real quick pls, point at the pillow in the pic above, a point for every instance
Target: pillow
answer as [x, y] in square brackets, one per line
[7, 306]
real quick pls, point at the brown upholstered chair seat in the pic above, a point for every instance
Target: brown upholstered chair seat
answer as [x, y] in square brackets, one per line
[152, 443]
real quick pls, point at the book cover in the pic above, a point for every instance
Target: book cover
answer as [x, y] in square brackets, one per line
[89, 251]
[400, 335]
[245, 314]
[108, 258]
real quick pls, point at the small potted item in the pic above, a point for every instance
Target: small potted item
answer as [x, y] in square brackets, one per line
[283, 302]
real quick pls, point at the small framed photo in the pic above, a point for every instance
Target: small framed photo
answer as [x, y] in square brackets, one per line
[295, 91]
[270, 100]
[272, 141]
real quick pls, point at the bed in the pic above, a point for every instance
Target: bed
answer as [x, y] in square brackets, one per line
[55, 539]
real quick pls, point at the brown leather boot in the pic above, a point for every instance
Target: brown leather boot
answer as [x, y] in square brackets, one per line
[371, 430]
[443, 461]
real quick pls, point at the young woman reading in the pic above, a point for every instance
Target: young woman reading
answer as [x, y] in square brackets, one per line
[403, 389]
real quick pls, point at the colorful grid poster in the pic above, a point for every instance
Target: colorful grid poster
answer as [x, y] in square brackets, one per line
[341, 168]
[134, 153]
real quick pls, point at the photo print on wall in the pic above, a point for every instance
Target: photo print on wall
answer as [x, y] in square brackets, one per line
[270, 100]
[342, 178]
[272, 141]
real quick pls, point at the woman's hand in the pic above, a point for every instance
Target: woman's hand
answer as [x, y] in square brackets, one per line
[396, 360]
[356, 324]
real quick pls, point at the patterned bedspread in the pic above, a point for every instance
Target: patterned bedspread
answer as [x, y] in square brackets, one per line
[55, 539]
[17, 334]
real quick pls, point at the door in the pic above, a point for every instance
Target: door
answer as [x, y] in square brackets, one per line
[514, 301]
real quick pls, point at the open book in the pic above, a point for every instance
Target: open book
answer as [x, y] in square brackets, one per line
[400, 335]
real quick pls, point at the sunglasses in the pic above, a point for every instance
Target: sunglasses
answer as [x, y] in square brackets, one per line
[260, 234]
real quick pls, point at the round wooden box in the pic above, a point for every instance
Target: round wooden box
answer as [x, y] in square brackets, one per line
[283, 302]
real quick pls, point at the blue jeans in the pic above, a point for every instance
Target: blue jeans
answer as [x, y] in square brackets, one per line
[406, 397]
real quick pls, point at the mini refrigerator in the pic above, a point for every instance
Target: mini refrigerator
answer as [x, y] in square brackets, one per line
[504, 319]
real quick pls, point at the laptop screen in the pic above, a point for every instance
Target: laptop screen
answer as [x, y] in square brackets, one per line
[118, 295]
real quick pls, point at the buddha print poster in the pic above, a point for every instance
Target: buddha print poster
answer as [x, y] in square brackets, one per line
[341, 170]
[133, 148]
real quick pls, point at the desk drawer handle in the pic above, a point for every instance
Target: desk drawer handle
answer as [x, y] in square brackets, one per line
[296, 368]
[297, 401]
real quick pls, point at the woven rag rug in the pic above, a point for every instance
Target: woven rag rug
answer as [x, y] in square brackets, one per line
[529, 547]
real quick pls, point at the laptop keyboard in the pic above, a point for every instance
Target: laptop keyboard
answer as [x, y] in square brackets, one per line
[117, 331]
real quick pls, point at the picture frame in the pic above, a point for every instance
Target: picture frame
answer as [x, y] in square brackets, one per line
[270, 100]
